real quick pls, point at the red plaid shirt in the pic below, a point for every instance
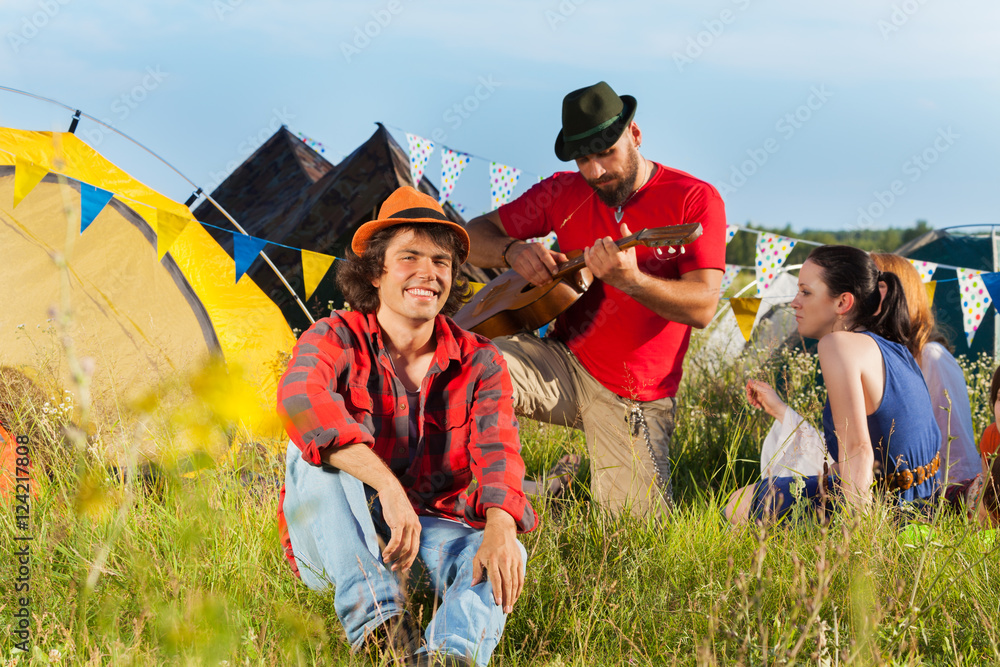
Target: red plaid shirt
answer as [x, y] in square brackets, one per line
[340, 388]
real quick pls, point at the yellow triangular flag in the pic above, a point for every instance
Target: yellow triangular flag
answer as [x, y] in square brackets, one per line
[931, 286]
[314, 267]
[476, 287]
[26, 176]
[745, 310]
[168, 227]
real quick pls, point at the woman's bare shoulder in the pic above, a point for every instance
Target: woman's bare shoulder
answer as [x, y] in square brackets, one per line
[846, 344]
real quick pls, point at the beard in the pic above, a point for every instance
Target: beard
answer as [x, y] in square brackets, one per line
[626, 182]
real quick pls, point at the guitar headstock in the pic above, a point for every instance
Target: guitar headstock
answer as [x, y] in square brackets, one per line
[658, 237]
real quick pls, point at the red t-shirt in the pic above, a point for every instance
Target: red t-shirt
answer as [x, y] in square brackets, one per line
[625, 346]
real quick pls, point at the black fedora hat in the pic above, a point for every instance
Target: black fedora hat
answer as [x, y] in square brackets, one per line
[593, 118]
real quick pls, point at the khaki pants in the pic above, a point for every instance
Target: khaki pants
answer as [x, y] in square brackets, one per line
[628, 441]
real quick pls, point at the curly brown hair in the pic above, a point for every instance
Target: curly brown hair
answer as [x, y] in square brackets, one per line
[355, 276]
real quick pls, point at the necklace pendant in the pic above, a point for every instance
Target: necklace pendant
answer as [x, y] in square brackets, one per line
[618, 214]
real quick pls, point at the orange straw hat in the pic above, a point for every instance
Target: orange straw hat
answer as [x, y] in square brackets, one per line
[405, 206]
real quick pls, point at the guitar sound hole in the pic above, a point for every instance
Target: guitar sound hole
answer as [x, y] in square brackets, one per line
[527, 288]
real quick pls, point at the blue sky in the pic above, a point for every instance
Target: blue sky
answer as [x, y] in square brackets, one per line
[822, 115]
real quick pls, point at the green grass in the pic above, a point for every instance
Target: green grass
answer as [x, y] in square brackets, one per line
[189, 571]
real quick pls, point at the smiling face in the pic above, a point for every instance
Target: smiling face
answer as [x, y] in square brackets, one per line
[817, 312]
[614, 173]
[416, 281]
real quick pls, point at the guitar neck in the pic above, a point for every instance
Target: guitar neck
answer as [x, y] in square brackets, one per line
[578, 262]
[653, 236]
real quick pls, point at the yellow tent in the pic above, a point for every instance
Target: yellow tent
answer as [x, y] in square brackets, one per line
[142, 320]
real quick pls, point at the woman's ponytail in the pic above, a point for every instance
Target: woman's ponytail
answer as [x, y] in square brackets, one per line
[892, 320]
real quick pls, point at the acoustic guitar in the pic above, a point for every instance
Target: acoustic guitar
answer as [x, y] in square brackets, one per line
[509, 303]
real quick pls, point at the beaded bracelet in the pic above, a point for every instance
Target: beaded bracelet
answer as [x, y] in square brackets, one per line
[503, 255]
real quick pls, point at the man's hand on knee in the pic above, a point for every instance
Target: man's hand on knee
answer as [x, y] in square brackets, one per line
[404, 530]
[499, 559]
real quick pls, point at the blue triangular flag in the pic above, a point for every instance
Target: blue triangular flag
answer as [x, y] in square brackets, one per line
[245, 251]
[92, 201]
[992, 282]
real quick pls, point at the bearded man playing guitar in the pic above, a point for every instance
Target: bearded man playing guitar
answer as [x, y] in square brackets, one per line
[613, 363]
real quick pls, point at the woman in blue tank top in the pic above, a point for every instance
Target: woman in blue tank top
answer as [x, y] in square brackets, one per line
[878, 419]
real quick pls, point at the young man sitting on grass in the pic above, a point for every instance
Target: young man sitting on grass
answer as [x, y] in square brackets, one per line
[392, 410]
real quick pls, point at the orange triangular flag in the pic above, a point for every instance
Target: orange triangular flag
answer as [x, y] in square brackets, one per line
[745, 310]
[314, 267]
[931, 286]
[168, 227]
[26, 176]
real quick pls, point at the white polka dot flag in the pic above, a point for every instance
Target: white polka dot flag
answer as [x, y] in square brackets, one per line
[727, 278]
[502, 182]
[549, 240]
[772, 251]
[731, 232]
[453, 164]
[975, 300]
[420, 153]
[925, 269]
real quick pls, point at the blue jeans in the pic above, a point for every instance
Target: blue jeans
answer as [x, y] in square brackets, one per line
[334, 521]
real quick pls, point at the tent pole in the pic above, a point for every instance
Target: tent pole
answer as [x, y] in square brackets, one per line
[996, 311]
[176, 171]
[266, 258]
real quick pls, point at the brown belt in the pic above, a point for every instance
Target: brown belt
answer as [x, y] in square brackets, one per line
[914, 476]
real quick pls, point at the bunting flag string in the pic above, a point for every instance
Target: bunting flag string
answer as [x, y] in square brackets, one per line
[732, 270]
[92, 201]
[311, 143]
[245, 251]
[502, 181]
[26, 176]
[453, 164]
[925, 269]
[470, 155]
[772, 251]
[979, 289]
[314, 268]
[420, 153]
[975, 300]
